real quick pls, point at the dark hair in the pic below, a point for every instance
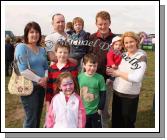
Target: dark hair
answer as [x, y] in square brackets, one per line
[8, 40]
[28, 27]
[90, 57]
[18, 40]
[62, 44]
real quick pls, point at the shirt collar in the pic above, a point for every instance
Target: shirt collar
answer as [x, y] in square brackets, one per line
[98, 34]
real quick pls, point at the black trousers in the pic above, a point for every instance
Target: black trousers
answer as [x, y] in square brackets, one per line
[93, 121]
[124, 110]
[7, 66]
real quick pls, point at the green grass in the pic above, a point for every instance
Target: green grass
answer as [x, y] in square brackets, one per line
[14, 113]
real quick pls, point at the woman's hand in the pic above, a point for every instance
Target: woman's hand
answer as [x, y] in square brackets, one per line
[43, 82]
[112, 72]
[117, 73]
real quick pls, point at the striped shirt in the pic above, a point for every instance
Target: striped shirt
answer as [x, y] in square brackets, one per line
[53, 73]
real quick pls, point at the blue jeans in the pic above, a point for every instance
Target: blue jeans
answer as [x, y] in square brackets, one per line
[33, 105]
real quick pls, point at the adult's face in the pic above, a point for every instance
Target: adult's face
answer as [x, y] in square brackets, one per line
[33, 36]
[130, 45]
[103, 25]
[58, 23]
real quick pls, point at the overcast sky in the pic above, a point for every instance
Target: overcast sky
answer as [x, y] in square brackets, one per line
[123, 17]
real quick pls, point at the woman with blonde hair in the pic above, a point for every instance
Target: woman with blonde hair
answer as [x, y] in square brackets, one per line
[128, 82]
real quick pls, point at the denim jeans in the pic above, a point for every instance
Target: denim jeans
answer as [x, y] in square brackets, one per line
[33, 105]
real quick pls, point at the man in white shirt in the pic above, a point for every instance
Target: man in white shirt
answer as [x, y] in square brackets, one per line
[58, 23]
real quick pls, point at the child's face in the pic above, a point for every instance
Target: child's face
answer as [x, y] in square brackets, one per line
[117, 45]
[90, 68]
[62, 54]
[78, 27]
[67, 86]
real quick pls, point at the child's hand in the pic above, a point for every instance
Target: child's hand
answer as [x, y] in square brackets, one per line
[73, 60]
[108, 70]
[99, 111]
[114, 66]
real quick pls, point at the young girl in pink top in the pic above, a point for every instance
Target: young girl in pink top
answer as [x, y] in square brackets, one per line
[66, 109]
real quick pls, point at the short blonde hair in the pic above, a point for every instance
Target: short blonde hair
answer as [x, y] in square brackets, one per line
[103, 15]
[132, 35]
[78, 19]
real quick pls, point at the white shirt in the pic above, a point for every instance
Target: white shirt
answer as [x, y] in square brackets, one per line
[135, 70]
[51, 40]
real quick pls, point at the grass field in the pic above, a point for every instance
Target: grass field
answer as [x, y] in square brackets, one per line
[145, 118]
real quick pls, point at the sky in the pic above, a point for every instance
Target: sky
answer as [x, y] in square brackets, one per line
[123, 17]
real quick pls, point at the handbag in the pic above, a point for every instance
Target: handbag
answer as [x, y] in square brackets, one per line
[18, 84]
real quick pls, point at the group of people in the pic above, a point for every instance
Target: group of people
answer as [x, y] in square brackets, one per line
[74, 84]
